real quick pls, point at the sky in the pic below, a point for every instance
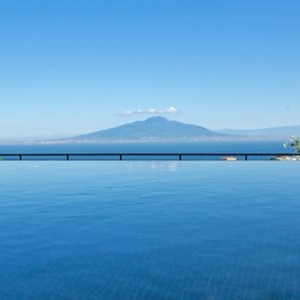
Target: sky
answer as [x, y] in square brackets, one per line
[77, 66]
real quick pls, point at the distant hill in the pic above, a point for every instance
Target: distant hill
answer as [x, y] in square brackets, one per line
[278, 133]
[154, 129]
[159, 129]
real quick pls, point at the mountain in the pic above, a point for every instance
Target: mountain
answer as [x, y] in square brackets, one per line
[154, 129]
[283, 132]
[159, 129]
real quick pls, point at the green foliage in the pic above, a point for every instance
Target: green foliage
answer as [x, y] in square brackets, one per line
[294, 142]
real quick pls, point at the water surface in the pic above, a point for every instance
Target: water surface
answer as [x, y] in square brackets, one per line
[149, 230]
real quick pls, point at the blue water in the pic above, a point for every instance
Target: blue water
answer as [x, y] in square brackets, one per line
[253, 146]
[204, 147]
[149, 230]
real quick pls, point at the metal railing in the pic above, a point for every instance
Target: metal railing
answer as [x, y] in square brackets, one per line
[138, 156]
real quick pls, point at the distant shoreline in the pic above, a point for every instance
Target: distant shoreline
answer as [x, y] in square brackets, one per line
[137, 141]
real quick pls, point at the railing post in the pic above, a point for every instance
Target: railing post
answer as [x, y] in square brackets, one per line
[246, 157]
[68, 157]
[121, 157]
[21, 157]
[180, 156]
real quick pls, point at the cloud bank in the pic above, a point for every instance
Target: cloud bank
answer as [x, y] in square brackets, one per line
[151, 111]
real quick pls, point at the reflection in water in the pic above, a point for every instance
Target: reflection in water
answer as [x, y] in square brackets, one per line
[151, 165]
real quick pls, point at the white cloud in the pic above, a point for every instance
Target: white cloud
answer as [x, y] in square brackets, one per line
[169, 110]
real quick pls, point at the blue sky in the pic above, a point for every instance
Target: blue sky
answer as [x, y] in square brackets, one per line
[76, 66]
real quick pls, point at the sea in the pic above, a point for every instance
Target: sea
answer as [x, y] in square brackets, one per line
[257, 147]
[149, 229]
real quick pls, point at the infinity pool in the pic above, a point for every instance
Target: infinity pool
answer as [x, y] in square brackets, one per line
[149, 230]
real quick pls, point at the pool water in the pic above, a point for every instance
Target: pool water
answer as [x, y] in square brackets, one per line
[149, 230]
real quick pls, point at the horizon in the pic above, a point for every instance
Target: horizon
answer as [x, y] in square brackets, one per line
[74, 67]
